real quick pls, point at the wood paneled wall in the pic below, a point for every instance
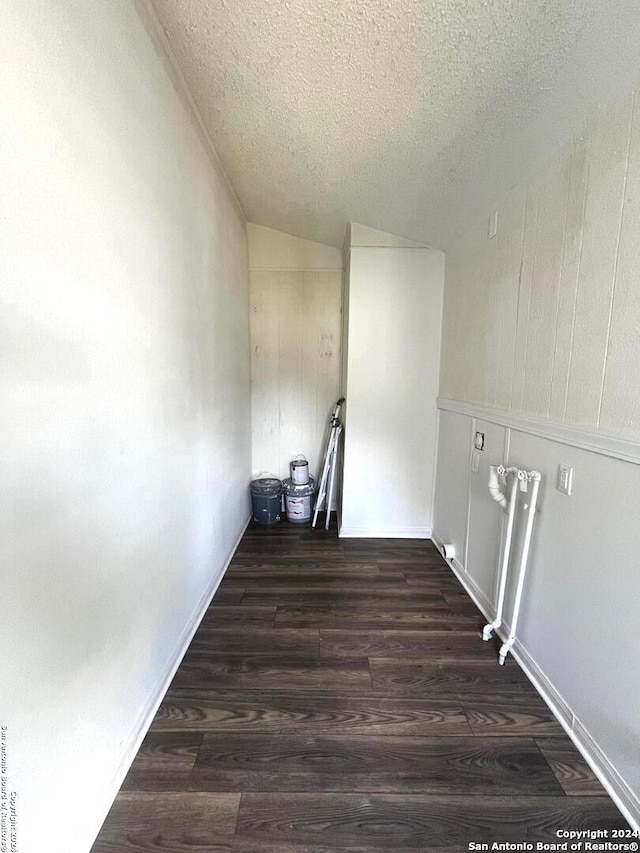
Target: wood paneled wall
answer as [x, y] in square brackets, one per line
[543, 318]
[295, 364]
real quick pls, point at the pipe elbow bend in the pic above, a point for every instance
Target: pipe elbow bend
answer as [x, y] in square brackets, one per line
[494, 487]
[500, 499]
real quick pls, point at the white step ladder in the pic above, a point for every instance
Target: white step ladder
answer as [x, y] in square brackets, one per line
[326, 486]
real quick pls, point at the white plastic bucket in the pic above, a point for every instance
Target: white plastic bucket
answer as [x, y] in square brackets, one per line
[297, 500]
[299, 469]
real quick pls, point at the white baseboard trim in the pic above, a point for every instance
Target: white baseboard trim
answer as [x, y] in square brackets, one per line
[478, 596]
[141, 726]
[613, 783]
[384, 533]
[626, 800]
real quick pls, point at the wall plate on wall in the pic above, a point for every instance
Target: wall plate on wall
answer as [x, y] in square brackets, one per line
[565, 479]
[478, 441]
[475, 461]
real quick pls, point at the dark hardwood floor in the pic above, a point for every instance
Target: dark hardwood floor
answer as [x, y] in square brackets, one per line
[337, 697]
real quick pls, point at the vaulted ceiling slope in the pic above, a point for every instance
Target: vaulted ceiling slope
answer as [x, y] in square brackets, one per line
[411, 116]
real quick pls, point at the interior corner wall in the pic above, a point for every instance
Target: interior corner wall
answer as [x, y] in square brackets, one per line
[391, 373]
[125, 398]
[296, 295]
[540, 353]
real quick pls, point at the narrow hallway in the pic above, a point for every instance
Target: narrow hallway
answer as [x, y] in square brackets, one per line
[337, 697]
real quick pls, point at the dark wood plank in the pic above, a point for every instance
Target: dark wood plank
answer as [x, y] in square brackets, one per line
[269, 531]
[179, 823]
[393, 597]
[228, 595]
[572, 771]
[280, 528]
[223, 614]
[351, 670]
[307, 713]
[164, 762]
[510, 714]
[269, 568]
[444, 765]
[443, 585]
[402, 644]
[396, 555]
[421, 567]
[381, 545]
[447, 583]
[374, 620]
[259, 581]
[297, 585]
[277, 672]
[362, 823]
[274, 539]
[315, 564]
[460, 602]
[442, 574]
[226, 641]
[456, 597]
[300, 531]
[314, 550]
[461, 675]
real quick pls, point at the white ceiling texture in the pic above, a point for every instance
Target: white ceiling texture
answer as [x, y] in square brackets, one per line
[411, 116]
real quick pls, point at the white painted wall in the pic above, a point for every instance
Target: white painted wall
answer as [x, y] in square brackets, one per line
[542, 319]
[363, 235]
[395, 305]
[452, 480]
[270, 249]
[124, 399]
[464, 512]
[296, 293]
[580, 621]
[484, 523]
[578, 626]
[541, 351]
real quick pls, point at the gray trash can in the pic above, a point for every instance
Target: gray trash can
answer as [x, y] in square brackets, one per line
[266, 500]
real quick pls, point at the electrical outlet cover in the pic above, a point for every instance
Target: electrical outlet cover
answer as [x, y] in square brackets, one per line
[565, 479]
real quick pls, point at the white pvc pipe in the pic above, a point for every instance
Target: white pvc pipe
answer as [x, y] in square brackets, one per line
[494, 487]
[506, 647]
[490, 627]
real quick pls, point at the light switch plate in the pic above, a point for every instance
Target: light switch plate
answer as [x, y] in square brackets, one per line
[475, 461]
[565, 479]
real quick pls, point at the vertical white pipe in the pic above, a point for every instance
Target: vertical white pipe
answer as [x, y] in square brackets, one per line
[506, 647]
[504, 567]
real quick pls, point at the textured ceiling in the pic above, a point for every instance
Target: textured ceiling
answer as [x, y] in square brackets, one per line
[411, 116]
